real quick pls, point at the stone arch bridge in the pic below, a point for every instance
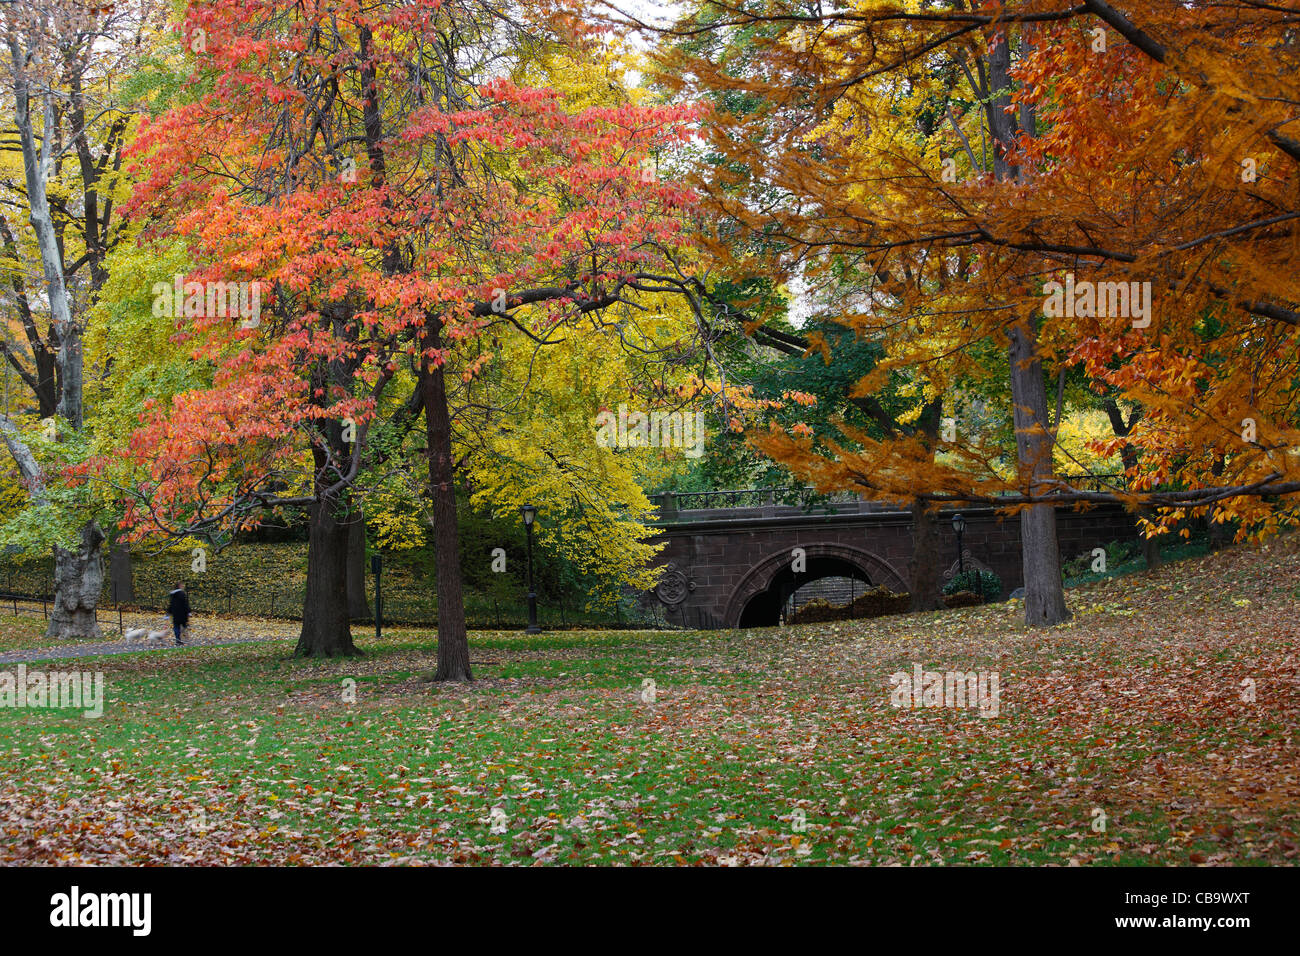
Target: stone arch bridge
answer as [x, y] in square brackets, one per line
[728, 563]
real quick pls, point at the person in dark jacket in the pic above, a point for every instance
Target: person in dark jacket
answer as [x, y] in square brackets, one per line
[178, 606]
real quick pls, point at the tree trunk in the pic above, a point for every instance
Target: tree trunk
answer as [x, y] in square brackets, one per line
[1221, 533]
[28, 467]
[41, 379]
[1002, 123]
[47, 395]
[1151, 552]
[927, 554]
[453, 640]
[326, 631]
[925, 564]
[1150, 545]
[358, 605]
[122, 585]
[1041, 557]
[38, 166]
[78, 581]
[70, 366]
[1128, 454]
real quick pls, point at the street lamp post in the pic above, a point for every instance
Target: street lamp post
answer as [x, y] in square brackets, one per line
[377, 567]
[530, 515]
[959, 525]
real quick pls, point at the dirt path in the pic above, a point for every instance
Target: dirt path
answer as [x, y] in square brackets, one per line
[204, 633]
[117, 647]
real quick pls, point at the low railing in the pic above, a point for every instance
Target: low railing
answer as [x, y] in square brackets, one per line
[669, 502]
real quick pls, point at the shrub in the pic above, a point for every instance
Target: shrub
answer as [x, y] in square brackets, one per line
[961, 599]
[1118, 553]
[976, 582]
[877, 602]
[817, 610]
[881, 601]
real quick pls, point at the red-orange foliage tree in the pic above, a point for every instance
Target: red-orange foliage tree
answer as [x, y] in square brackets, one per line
[390, 207]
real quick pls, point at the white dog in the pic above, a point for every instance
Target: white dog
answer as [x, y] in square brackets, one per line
[138, 634]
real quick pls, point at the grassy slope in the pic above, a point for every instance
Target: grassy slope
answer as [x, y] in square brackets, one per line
[237, 754]
[24, 632]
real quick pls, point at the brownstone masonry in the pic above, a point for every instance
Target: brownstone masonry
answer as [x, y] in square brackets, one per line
[735, 567]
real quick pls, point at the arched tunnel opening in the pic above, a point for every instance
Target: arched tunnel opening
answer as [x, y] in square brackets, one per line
[824, 577]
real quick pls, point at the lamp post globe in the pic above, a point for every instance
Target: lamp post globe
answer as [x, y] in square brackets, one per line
[529, 513]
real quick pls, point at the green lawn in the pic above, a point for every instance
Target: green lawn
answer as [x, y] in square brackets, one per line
[23, 631]
[768, 746]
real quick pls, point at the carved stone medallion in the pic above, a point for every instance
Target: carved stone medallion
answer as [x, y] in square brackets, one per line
[673, 586]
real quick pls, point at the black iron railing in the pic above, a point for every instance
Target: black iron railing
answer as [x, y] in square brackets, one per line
[671, 501]
[747, 498]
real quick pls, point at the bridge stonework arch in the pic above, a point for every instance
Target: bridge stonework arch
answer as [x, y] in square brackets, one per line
[721, 561]
[764, 577]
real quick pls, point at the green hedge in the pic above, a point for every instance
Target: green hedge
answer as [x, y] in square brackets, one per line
[270, 580]
[975, 581]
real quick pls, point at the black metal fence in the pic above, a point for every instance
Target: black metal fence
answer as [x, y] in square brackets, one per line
[26, 590]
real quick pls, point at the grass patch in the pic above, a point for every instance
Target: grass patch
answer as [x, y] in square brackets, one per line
[773, 746]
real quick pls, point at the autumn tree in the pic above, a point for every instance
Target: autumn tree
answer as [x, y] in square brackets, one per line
[357, 165]
[70, 121]
[975, 162]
